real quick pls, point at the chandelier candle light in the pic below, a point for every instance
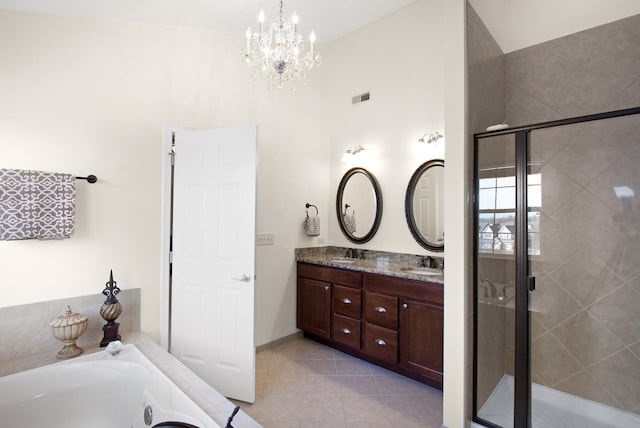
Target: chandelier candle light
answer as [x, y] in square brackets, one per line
[277, 55]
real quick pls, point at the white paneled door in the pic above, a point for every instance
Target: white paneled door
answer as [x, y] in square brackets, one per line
[212, 303]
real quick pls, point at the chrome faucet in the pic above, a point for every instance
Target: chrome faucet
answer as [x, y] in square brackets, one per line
[490, 289]
[426, 261]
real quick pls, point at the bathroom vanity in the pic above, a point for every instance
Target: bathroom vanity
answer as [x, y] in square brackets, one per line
[392, 318]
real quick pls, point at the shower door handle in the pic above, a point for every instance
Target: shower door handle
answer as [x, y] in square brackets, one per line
[531, 283]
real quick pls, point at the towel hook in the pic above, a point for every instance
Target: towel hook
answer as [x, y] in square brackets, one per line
[310, 205]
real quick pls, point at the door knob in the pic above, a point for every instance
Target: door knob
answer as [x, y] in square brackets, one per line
[244, 278]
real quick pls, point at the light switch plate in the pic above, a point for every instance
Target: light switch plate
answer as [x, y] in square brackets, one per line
[266, 238]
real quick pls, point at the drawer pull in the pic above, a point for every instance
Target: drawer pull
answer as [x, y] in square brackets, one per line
[405, 306]
[380, 342]
[326, 288]
[380, 309]
[346, 301]
[346, 331]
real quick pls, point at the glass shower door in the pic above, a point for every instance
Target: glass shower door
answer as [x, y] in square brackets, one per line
[584, 250]
[495, 264]
[557, 274]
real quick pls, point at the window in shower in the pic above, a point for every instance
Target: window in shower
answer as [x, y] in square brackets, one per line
[497, 216]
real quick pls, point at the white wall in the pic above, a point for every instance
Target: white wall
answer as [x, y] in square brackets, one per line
[91, 97]
[516, 24]
[399, 60]
[457, 212]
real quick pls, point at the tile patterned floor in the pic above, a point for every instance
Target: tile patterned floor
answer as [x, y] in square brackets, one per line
[302, 384]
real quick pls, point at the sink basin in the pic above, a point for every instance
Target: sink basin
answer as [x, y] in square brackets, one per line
[341, 260]
[427, 272]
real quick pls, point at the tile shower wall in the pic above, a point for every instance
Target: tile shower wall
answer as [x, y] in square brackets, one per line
[485, 62]
[588, 72]
[586, 331]
[26, 336]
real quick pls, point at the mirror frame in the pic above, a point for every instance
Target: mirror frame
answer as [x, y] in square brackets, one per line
[408, 205]
[378, 217]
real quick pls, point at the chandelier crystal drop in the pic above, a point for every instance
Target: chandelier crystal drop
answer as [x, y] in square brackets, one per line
[278, 55]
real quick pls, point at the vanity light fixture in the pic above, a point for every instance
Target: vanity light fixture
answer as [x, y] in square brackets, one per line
[277, 53]
[352, 153]
[431, 139]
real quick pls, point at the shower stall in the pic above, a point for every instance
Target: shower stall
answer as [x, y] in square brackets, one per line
[557, 274]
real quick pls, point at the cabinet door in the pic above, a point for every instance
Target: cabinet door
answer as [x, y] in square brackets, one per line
[314, 307]
[421, 331]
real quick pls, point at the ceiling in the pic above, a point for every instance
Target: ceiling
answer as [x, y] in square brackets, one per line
[330, 19]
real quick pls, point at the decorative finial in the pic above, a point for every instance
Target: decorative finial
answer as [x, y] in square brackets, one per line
[110, 310]
[111, 289]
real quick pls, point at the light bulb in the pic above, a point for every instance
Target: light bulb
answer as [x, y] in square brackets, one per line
[261, 20]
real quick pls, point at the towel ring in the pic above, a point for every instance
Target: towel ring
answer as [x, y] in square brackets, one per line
[309, 205]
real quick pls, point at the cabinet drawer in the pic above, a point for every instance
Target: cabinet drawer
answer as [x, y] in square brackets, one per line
[346, 301]
[382, 310]
[346, 331]
[335, 276]
[381, 343]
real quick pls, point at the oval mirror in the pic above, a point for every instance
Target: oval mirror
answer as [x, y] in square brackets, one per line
[424, 205]
[359, 205]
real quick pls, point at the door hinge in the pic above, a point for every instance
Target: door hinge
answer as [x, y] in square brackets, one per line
[172, 153]
[170, 257]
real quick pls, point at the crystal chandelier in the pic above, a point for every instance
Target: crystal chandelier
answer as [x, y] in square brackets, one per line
[277, 55]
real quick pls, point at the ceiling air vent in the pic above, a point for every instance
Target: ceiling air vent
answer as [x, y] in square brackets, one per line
[360, 98]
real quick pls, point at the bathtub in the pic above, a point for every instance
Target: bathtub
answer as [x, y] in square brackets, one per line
[98, 391]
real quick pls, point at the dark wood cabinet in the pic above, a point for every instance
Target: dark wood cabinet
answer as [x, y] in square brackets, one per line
[421, 338]
[314, 307]
[393, 322]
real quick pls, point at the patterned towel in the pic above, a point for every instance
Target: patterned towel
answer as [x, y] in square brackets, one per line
[350, 222]
[36, 205]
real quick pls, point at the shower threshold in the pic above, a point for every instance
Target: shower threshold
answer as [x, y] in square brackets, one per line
[552, 408]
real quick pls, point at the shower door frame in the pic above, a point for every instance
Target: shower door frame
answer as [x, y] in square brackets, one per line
[524, 283]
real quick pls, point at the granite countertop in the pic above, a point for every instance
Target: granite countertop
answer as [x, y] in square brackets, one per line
[410, 266]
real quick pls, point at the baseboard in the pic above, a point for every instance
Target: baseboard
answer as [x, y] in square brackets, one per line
[280, 341]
